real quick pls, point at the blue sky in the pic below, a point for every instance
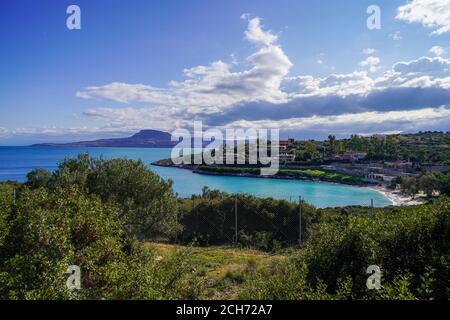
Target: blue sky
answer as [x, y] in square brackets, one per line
[305, 68]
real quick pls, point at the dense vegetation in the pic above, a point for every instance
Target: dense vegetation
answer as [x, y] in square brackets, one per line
[262, 223]
[422, 147]
[428, 183]
[88, 213]
[96, 213]
[410, 245]
[288, 173]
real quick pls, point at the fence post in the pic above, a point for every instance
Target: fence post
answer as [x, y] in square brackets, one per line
[300, 221]
[235, 220]
[176, 223]
[194, 212]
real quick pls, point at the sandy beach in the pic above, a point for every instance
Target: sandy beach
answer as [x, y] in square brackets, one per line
[399, 198]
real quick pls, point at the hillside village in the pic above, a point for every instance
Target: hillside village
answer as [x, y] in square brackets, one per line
[412, 163]
[377, 159]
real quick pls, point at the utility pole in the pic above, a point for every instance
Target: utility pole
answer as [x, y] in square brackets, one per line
[14, 200]
[300, 221]
[235, 220]
[371, 205]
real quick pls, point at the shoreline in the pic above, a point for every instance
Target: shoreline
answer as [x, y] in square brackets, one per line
[397, 198]
[193, 169]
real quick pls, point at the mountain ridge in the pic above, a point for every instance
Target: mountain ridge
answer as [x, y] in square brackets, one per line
[146, 138]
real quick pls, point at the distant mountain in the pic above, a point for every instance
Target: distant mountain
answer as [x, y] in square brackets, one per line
[142, 139]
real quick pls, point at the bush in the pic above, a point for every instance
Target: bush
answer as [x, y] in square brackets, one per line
[262, 223]
[148, 206]
[88, 213]
[38, 178]
[145, 202]
[53, 229]
[410, 245]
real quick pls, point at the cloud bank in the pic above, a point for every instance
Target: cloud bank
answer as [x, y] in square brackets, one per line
[260, 92]
[412, 95]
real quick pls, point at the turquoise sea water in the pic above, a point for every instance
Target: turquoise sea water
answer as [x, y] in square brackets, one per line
[16, 162]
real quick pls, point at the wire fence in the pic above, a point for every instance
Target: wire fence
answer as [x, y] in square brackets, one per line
[243, 220]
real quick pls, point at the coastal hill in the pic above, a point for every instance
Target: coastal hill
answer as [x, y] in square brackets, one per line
[142, 139]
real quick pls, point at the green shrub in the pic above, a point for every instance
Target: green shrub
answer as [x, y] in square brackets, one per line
[146, 203]
[411, 246]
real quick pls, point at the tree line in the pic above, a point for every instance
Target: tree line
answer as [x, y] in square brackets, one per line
[428, 183]
[421, 148]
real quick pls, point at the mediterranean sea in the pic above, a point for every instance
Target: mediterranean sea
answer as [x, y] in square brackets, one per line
[16, 162]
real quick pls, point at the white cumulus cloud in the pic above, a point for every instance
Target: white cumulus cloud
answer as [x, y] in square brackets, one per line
[369, 51]
[371, 62]
[437, 50]
[211, 87]
[256, 34]
[434, 14]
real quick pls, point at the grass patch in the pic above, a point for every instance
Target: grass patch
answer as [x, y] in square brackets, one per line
[222, 269]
